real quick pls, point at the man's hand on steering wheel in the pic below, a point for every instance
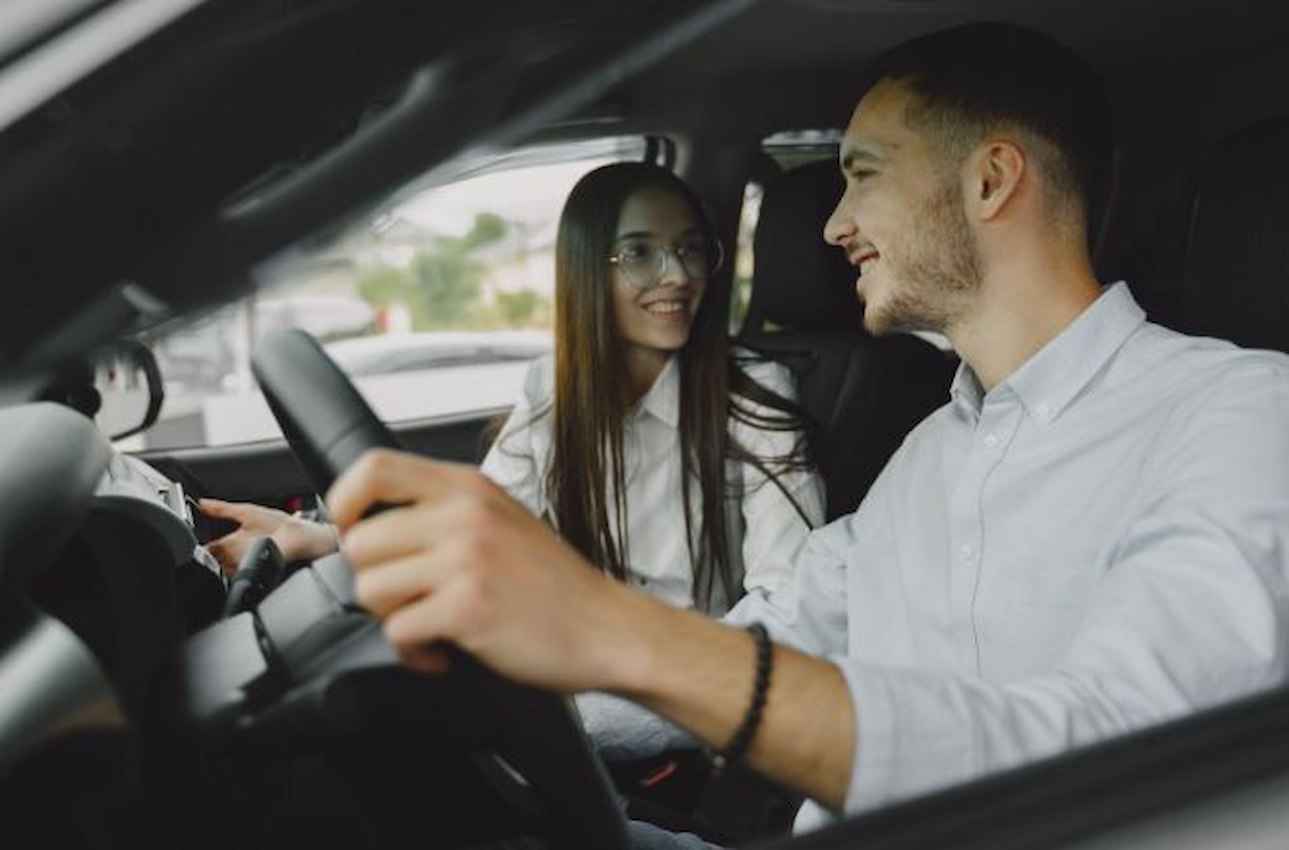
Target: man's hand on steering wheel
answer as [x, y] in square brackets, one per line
[460, 561]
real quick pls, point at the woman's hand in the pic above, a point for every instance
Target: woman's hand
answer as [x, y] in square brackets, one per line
[297, 539]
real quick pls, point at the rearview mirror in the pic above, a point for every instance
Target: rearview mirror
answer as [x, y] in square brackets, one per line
[129, 384]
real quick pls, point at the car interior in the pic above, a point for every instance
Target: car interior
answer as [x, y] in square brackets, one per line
[156, 157]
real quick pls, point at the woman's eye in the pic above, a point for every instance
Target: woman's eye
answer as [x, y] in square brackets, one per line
[697, 248]
[635, 252]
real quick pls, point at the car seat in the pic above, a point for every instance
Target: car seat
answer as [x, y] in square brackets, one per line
[1235, 274]
[862, 394]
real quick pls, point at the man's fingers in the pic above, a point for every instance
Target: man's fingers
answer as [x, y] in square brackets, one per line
[464, 520]
[391, 477]
[432, 659]
[416, 625]
[393, 585]
[393, 534]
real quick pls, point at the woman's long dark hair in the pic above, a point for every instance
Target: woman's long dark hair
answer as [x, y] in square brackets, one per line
[591, 403]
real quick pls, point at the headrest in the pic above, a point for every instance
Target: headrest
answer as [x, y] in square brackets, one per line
[1235, 283]
[800, 281]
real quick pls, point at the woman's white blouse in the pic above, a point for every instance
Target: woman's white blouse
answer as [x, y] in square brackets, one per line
[657, 553]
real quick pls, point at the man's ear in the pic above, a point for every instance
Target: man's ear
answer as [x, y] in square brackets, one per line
[997, 170]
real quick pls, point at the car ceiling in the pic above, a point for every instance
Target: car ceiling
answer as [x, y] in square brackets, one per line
[115, 197]
[821, 45]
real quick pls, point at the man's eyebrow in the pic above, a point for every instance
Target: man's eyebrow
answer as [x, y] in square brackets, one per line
[857, 155]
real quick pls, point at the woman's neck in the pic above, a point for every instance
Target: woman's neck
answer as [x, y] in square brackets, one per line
[643, 368]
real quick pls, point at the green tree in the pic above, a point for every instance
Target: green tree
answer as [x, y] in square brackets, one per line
[487, 228]
[446, 288]
[443, 285]
[519, 309]
[385, 286]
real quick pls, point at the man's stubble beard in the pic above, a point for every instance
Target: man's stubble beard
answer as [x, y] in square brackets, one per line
[935, 270]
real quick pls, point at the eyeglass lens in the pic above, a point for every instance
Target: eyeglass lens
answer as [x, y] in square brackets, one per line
[645, 263]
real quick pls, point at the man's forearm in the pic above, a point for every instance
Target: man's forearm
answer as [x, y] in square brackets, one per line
[700, 674]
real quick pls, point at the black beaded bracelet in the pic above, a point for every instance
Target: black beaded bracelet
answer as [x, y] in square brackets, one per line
[742, 739]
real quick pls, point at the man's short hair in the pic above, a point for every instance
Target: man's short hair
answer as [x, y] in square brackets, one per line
[976, 79]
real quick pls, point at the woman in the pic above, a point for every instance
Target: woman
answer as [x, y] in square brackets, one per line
[666, 458]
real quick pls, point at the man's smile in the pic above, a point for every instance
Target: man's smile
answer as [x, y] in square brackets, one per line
[861, 256]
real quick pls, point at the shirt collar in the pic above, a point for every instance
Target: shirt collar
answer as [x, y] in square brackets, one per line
[1059, 371]
[663, 398]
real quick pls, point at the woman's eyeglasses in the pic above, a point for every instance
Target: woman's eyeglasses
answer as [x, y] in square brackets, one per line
[644, 263]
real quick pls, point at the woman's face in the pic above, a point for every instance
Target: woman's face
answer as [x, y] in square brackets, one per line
[655, 312]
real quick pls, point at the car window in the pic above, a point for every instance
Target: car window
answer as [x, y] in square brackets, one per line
[792, 148]
[744, 254]
[434, 302]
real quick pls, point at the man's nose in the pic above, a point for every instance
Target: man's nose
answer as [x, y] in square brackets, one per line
[840, 226]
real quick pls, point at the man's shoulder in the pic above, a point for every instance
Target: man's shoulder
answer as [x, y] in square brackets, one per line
[1210, 361]
[1203, 390]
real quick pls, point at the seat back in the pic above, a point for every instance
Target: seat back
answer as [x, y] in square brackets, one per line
[862, 394]
[1235, 278]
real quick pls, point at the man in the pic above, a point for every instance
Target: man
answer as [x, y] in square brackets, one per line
[1091, 536]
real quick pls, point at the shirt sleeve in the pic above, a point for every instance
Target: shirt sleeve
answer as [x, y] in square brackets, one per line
[513, 462]
[809, 611]
[774, 528]
[1191, 613]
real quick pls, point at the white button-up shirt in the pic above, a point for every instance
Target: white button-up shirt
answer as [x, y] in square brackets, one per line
[1099, 543]
[657, 554]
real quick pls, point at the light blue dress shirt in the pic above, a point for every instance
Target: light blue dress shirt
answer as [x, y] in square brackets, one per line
[1099, 543]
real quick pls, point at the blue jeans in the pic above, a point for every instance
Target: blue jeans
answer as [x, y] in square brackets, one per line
[646, 836]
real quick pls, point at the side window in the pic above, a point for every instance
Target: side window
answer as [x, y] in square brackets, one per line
[434, 303]
[744, 254]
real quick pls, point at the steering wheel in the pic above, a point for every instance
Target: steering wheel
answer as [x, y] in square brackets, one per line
[537, 745]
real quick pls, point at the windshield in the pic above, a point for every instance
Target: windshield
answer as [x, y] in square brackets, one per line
[433, 302]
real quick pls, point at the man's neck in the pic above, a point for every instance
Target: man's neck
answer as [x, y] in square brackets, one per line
[1020, 307]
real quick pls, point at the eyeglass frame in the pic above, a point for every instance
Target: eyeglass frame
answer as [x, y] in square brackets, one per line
[667, 252]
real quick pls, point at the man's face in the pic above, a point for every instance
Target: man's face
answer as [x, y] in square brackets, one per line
[901, 221]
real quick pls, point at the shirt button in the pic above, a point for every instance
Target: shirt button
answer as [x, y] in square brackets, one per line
[991, 440]
[1043, 410]
[966, 551]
